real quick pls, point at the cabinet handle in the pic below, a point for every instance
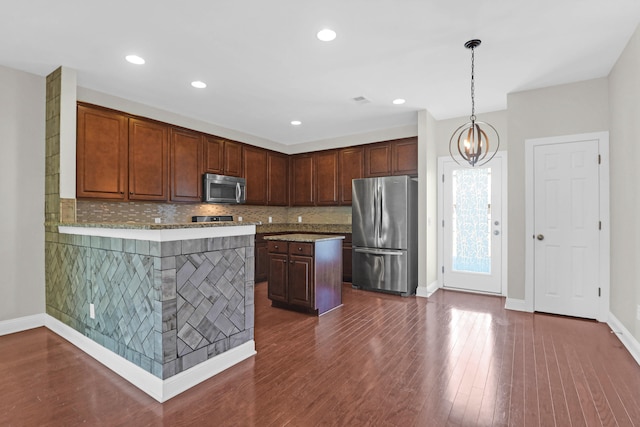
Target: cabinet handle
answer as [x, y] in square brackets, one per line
[291, 262]
[131, 193]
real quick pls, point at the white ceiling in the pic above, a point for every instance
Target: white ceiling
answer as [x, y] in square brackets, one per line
[264, 65]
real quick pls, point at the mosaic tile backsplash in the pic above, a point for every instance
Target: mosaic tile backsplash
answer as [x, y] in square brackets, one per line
[99, 211]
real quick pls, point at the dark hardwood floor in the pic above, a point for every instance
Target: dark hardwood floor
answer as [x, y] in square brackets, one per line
[455, 359]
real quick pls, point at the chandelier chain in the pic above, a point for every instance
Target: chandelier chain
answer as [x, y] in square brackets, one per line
[473, 86]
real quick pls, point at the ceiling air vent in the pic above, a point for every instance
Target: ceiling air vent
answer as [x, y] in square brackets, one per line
[361, 100]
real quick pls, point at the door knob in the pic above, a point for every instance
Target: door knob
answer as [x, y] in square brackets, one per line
[540, 237]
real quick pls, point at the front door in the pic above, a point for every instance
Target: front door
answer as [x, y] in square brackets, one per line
[566, 227]
[471, 217]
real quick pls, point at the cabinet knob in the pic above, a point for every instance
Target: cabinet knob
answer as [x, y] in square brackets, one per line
[275, 246]
[300, 249]
[291, 262]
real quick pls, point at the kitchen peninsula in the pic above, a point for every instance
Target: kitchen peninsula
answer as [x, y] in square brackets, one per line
[165, 297]
[305, 272]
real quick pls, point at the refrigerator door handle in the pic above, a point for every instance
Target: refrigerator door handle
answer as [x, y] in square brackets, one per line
[381, 211]
[378, 252]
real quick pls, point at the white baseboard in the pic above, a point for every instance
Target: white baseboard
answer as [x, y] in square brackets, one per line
[20, 324]
[160, 390]
[516, 305]
[428, 291]
[626, 337]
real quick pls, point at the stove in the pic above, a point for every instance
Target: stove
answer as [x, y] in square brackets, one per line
[209, 218]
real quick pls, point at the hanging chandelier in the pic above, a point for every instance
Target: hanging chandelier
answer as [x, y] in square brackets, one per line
[470, 141]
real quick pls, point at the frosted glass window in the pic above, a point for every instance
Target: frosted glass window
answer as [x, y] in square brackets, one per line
[472, 220]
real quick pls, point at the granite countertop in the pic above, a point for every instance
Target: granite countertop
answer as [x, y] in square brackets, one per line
[151, 226]
[309, 238]
[299, 227]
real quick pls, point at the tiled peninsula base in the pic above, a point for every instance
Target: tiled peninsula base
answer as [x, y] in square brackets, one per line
[175, 305]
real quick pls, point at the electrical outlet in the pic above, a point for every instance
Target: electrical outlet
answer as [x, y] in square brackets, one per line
[299, 219]
[157, 220]
[92, 311]
[270, 220]
[239, 219]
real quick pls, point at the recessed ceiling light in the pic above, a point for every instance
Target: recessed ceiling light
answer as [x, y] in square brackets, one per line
[296, 122]
[134, 59]
[198, 84]
[326, 35]
[399, 101]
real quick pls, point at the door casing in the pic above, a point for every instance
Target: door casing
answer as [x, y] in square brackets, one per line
[604, 236]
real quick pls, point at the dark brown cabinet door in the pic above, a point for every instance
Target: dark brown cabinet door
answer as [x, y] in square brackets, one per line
[278, 179]
[186, 166]
[222, 157]
[301, 280]
[214, 155]
[377, 160]
[351, 167]
[148, 171]
[101, 154]
[404, 154]
[255, 173]
[232, 158]
[278, 269]
[302, 180]
[326, 169]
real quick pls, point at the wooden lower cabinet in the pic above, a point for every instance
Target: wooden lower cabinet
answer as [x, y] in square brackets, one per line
[305, 276]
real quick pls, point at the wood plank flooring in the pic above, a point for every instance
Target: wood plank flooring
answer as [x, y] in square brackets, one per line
[380, 360]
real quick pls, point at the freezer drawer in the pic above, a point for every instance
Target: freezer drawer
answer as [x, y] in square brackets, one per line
[382, 270]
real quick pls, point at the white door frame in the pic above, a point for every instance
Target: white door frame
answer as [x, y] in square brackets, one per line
[501, 156]
[603, 280]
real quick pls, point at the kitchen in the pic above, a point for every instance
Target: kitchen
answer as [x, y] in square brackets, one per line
[530, 113]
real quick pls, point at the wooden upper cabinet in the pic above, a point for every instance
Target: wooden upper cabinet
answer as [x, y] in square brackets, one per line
[222, 156]
[377, 160]
[233, 158]
[404, 156]
[101, 154]
[186, 166]
[148, 160]
[214, 155]
[277, 179]
[302, 180]
[255, 174]
[326, 170]
[351, 166]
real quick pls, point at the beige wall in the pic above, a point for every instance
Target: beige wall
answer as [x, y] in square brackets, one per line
[560, 110]
[624, 116]
[22, 109]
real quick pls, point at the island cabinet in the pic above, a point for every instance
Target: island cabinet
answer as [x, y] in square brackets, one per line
[305, 272]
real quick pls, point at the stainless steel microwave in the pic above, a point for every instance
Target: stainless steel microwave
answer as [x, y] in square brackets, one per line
[224, 189]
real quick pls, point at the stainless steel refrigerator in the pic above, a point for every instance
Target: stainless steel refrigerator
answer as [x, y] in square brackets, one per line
[385, 234]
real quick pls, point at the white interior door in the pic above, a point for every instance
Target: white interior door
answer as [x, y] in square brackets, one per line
[566, 227]
[472, 227]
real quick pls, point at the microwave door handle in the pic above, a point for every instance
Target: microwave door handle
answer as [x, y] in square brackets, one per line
[238, 192]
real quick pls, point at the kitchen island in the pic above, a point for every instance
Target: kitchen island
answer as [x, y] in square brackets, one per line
[174, 302]
[305, 272]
